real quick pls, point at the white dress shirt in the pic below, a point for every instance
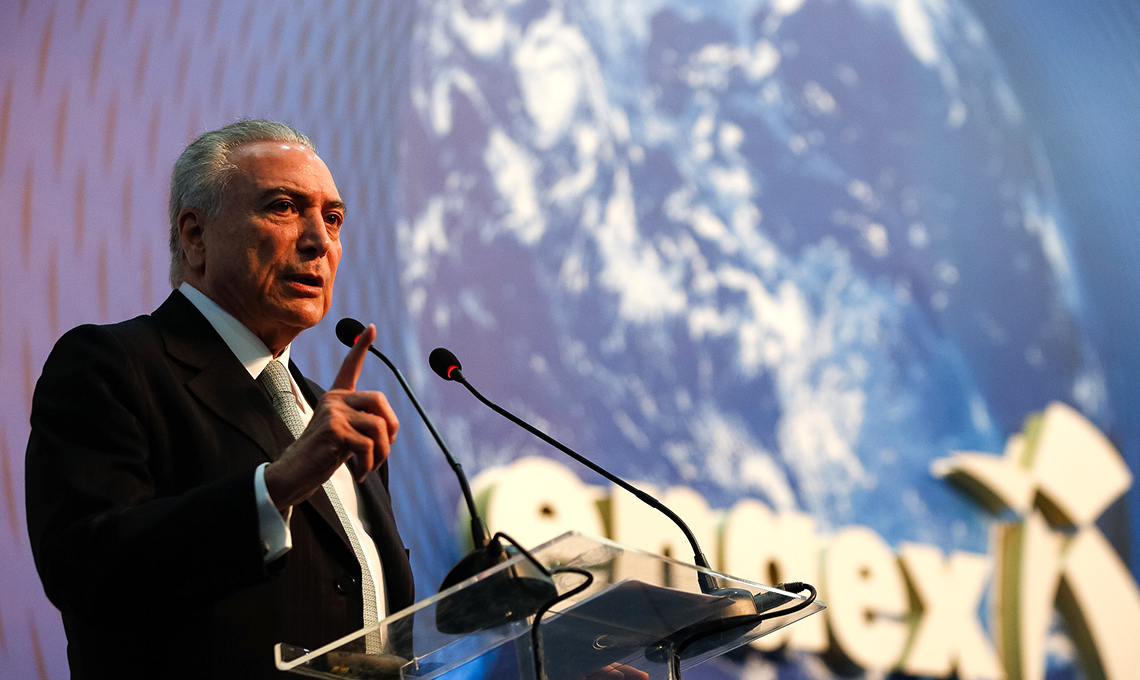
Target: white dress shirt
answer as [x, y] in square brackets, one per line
[275, 534]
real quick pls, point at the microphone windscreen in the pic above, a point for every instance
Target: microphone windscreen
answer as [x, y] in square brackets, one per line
[348, 330]
[442, 361]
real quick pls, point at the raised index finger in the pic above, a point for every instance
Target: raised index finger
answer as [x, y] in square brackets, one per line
[350, 369]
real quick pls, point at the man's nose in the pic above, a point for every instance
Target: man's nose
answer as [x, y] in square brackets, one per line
[314, 237]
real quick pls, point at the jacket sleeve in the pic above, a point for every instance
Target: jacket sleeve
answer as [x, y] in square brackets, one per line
[104, 542]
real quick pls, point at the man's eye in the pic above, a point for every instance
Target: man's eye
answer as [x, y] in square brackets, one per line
[282, 206]
[334, 219]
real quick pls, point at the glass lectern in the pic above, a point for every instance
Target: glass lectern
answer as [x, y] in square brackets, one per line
[594, 607]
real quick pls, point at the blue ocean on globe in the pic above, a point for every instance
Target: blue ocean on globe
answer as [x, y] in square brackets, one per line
[785, 250]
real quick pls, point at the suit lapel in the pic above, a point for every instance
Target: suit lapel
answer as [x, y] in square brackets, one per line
[221, 382]
[227, 389]
[397, 570]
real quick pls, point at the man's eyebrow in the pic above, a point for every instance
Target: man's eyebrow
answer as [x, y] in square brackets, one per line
[273, 191]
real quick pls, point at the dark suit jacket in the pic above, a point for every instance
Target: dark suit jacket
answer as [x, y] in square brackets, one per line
[141, 511]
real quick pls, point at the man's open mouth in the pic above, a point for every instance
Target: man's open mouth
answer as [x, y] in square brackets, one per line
[307, 280]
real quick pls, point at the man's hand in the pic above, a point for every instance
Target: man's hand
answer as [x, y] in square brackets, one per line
[347, 427]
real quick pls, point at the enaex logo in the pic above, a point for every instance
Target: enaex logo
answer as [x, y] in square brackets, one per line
[1055, 479]
[915, 610]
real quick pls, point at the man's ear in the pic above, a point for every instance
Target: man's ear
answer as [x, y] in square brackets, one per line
[190, 229]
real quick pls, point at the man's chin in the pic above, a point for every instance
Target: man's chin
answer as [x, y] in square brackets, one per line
[290, 320]
[303, 319]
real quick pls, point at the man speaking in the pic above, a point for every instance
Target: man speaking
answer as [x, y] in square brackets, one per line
[192, 499]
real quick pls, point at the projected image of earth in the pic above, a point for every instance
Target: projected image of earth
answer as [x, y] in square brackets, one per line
[786, 250]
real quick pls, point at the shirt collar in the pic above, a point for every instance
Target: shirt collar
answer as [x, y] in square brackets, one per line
[247, 347]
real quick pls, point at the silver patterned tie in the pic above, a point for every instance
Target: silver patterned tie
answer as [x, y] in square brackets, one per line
[275, 379]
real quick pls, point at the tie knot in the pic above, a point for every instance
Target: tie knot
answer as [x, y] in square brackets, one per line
[275, 378]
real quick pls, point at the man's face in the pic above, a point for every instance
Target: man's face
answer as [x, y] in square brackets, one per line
[270, 257]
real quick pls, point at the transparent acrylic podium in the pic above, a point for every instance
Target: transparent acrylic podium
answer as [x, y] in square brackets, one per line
[640, 611]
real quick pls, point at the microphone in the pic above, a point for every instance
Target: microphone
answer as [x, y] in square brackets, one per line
[347, 331]
[742, 610]
[446, 365]
[493, 601]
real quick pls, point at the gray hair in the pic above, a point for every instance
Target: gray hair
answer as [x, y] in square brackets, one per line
[204, 168]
